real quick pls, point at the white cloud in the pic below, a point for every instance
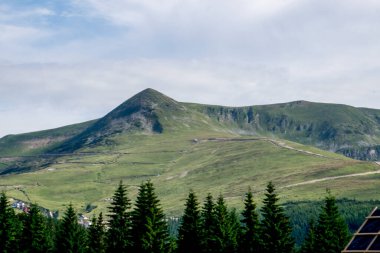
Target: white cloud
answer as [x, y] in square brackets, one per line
[10, 14]
[137, 12]
[94, 55]
[80, 92]
[11, 33]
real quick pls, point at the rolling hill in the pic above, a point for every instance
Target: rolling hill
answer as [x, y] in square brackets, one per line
[182, 146]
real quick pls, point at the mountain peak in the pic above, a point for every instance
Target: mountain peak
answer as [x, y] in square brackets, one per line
[149, 97]
[149, 93]
[140, 113]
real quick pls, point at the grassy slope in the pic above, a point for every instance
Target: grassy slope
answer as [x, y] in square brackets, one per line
[176, 164]
[37, 142]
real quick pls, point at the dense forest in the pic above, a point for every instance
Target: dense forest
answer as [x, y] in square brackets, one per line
[204, 227]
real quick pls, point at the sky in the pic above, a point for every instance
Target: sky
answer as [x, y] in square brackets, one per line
[69, 61]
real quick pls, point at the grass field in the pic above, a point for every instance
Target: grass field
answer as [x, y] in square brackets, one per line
[219, 163]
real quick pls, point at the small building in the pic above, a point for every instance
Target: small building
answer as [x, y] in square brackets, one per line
[367, 238]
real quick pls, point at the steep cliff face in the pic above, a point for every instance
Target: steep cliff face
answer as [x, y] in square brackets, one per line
[367, 153]
[352, 131]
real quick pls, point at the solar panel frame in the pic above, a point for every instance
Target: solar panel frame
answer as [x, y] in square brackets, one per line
[375, 244]
[376, 213]
[369, 229]
[361, 242]
[370, 226]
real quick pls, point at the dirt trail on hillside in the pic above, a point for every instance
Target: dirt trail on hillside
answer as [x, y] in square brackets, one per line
[333, 178]
[274, 142]
[283, 145]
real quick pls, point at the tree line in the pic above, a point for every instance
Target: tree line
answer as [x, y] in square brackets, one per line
[205, 228]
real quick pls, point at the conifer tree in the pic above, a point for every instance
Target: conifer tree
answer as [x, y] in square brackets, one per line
[331, 232]
[189, 233]
[9, 226]
[96, 235]
[71, 236]
[35, 235]
[224, 230]
[308, 245]
[275, 228]
[119, 233]
[249, 240]
[149, 228]
[234, 231]
[208, 224]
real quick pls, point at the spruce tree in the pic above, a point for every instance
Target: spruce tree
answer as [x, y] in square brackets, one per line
[208, 223]
[149, 228]
[331, 232]
[119, 233]
[189, 233]
[35, 235]
[308, 246]
[225, 232]
[234, 231]
[275, 228]
[249, 239]
[71, 236]
[9, 226]
[96, 236]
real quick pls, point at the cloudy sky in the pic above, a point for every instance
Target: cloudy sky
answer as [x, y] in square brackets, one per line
[67, 61]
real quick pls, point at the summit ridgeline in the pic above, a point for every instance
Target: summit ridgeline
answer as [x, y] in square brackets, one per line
[353, 132]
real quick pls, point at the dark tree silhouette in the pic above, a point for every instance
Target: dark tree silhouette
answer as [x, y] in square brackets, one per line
[189, 232]
[275, 228]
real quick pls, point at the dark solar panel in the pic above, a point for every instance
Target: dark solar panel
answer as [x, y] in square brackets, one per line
[371, 226]
[376, 213]
[376, 244]
[361, 242]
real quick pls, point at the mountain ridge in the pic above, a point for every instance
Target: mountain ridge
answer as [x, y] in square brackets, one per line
[348, 130]
[206, 148]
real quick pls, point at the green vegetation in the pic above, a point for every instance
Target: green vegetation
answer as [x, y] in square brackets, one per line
[275, 228]
[189, 232]
[96, 236]
[38, 142]
[149, 229]
[176, 164]
[250, 237]
[214, 150]
[36, 234]
[9, 226]
[331, 232]
[119, 236]
[218, 227]
[70, 237]
[181, 146]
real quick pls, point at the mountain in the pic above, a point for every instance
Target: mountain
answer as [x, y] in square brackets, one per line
[354, 132]
[207, 148]
[139, 113]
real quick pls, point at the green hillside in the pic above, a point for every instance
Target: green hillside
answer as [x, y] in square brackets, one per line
[181, 146]
[354, 132]
[38, 142]
[175, 165]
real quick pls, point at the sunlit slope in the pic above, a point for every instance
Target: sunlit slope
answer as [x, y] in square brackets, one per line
[203, 161]
[38, 142]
